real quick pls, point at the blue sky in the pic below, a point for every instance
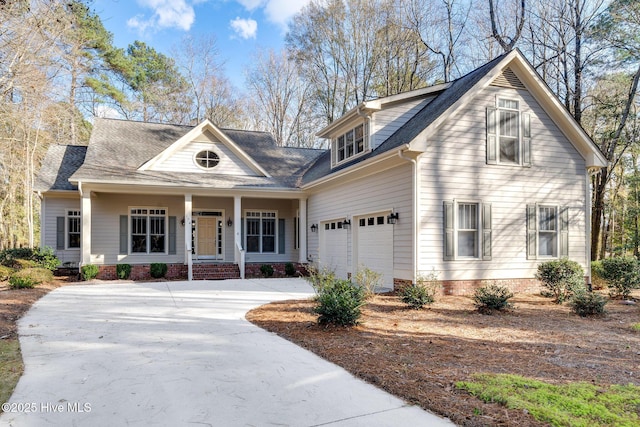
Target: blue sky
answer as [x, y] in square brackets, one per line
[240, 26]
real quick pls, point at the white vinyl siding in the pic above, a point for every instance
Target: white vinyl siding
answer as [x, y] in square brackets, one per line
[383, 191]
[55, 208]
[455, 168]
[184, 160]
[385, 122]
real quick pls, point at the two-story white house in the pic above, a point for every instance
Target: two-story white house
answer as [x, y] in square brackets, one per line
[478, 179]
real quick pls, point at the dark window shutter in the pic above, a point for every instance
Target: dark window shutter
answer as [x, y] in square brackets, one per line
[486, 231]
[60, 232]
[448, 231]
[492, 140]
[526, 139]
[172, 235]
[532, 232]
[564, 232]
[281, 241]
[124, 237]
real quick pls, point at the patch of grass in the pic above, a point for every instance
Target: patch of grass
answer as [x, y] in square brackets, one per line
[635, 327]
[574, 404]
[11, 367]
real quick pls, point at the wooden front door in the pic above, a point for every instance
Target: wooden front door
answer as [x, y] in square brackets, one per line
[209, 240]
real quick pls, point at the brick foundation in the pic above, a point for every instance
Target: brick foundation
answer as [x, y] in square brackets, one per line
[252, 271]
[468, 287]
[141, 272]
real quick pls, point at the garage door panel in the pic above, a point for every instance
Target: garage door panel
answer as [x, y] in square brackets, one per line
[333, 250]
[375, 246]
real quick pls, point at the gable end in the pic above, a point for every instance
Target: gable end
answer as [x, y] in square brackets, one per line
[508, 79]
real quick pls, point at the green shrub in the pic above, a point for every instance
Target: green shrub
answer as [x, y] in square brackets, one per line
[123, 271]
[158, 270]
[597, 272]
[416, 296]
[320, 278]
[266, 270]
[622, 275]
[561, 278]
[37, 257]
[289, 269]
[340, 303]
[5, 273]
[17, 282]
[89, 271]
[492, 297]
[368, 280]
[588, 304]
[29, 277]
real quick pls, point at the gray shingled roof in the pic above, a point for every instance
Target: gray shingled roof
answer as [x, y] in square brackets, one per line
[60, 162]
[412, 128]
[118, 148]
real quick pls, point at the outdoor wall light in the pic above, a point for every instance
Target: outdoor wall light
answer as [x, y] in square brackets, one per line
[392, 218]
[314, 228]
[346, 223]
[229, 222]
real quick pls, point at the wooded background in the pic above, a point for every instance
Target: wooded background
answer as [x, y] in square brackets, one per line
[59, 69]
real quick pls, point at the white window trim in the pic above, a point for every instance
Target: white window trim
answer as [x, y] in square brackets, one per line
[519, 162]
[557, 230]
[366, 144]
[130, 231]
[275, 230]
[77, 214]
[478, 254]
[195, 155]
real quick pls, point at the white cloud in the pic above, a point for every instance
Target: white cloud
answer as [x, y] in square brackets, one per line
[280, 11]
[166, 14]
[245, 28]
[251, 4]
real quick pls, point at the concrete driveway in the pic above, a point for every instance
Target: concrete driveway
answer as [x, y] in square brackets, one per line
[179, 354]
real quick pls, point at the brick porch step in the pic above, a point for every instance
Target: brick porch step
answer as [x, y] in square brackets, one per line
[215, 271]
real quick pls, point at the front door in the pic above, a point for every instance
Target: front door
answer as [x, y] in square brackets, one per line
[209, 237]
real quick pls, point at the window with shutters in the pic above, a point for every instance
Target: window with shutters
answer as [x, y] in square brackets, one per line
[74, 222]
[148, 230]
[467, 230]
[508, 134]
[260, 232]
[547, 231]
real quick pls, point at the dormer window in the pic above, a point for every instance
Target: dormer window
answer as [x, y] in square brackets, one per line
[350, 144]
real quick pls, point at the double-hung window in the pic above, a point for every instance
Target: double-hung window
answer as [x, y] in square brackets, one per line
[508, 134]
[547, 231]
[467, 230]
[148, 230]
[350, 144]
[261, 231]
[74, 222]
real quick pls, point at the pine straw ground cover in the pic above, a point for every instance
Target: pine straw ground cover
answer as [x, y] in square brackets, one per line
[419, 355]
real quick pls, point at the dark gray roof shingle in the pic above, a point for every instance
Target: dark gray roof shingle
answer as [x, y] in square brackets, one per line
[60, 162]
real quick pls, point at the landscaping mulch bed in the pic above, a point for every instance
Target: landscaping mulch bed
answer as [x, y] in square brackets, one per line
[419, 355]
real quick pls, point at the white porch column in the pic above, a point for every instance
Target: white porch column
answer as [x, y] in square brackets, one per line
[237, 227]
[188, 208]
[86, 228]
[302, 231]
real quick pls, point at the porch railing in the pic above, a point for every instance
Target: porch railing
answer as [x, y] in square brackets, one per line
[240, 258]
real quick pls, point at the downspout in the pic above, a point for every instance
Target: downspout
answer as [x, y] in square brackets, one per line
[415, 206]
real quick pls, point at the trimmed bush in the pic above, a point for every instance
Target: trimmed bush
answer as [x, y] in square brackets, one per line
[266, 270]
[123, 271]
[38, 257]
[492, 297]
[158, 270]
[416, 296]
[588, 304]
[89, 271]
[597, 272]
[340, 303]
[368, 280]
[29, 277]
[5, 273]
[289, 269]
[622, 275]
[562, 278]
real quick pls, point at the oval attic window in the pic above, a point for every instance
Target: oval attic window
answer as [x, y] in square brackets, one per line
[207, 159]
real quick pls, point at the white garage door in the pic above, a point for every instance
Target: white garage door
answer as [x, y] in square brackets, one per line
[375, 245]
[333, 248]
